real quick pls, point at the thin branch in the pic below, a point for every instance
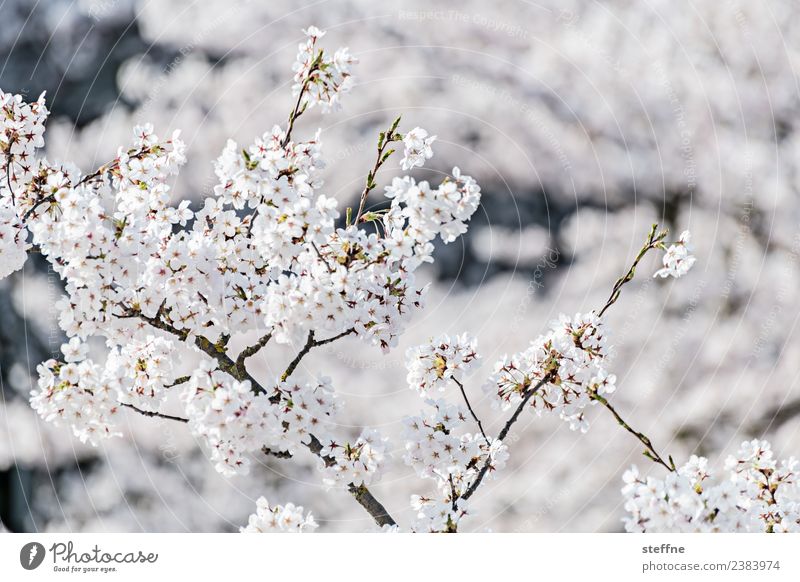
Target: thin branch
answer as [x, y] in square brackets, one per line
[506, 429]
[383, 142]
[321, 258]
[318, 343]
[301, 354]
[653, 241]
[309, 345]
[8, 179]
[299, 108]
[154, 414]
[472, 412]
[650, 451]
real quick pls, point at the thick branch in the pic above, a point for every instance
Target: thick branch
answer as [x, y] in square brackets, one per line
[359, 492]
[251, 351]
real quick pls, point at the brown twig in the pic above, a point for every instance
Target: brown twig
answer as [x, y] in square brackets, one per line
[506, 429]
[359, 492]
[154, 414]
[251, 351]
[309, 345]
[472, 412]
[653, 241]
[650, 451]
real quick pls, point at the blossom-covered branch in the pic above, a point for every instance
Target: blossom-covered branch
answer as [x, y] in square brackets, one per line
[267, 256]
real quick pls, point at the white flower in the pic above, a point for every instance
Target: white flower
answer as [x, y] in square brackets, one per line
[417, 148]
[433, 365]
[76, 395]
[758, 495]
[75, 350]
[677, 259]
[13, 246]
[287, 518]
[573, 352]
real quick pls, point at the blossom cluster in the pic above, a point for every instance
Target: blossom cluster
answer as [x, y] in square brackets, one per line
[358, 463]
[142, 371]
[428, 212]
[568, 361]
[318, 77]
[21, 134]
[678, 258]
[417, 148]
[77, 395]
[287, 518]
[431, 366]
[758, 495]
[13, 246]
[263, 252]
[438, 450]
[234, 419]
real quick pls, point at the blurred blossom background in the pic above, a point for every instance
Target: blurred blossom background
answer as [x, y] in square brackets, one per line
[583, 121]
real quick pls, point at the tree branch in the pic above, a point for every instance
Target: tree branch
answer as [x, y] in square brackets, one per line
[251, 351]
[301, 354]
[506, 429]
[653, 241]
[310, 344]
[383, 141]
[650, 451]
[154, 414]
[472, 412]
[359, 492]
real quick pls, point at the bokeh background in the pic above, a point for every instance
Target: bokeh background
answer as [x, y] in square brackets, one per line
[583, 121]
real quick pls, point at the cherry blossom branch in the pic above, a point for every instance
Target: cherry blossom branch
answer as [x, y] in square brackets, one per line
[251, 351]
[8, 179]
[107, 167]
[113, 165]
[152, 414]
[653, 241]
[310, 344]
[299, 108]
[469, 406]
[384, 139]
[650, 451]
[506, 429]
[215, 351]
[359, 492]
